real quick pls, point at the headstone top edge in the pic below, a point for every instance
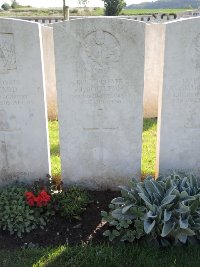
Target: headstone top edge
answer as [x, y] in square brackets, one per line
[98, 18]
[19, 21]
[181, 20]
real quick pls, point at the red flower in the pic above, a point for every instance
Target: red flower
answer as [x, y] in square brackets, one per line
[29, 195]
[41, 200]
[31, 202]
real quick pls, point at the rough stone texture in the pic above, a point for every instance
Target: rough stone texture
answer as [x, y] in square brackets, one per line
[100, 73]
[179, 104]
[24, 151]
[154, 51]
[49, 71]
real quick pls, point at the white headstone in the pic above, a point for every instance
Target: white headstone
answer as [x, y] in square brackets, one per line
[24, 151]
[179, 107]
[100, 73]
[154, 52]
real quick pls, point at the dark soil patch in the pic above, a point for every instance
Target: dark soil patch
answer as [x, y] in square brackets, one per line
[61, 231]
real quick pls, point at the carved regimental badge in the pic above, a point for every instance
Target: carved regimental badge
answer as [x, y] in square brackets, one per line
[100, 50]
[7, 53]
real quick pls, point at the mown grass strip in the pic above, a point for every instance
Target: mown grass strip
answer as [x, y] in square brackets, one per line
[103, 256]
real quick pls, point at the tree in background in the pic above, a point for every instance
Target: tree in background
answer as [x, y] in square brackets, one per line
[14, 4]
[113, 7]
[83, 3]
[6, 6]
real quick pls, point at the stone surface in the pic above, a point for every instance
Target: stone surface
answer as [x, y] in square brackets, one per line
[100, 76]
[179, 104]
[24, 151]
[154, 51]
[49, 71]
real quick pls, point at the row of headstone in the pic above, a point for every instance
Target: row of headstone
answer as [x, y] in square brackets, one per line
[100, 66]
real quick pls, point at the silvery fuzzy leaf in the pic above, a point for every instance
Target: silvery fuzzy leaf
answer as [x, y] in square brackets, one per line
[184, 195]
[167, 228]
[141, 189]
[117, 214]
[126, 208]
[169, 183]
[171, 191]
[167, 215]
[183, 223]
[182, 238]
[193, 181]
[149, 188]
[124, 188]
[183, 208]
[118, 201]
[151, 215]
[149, 225]
[146, 200]
[188, 232]
[176, 193]
[157, 197]
[183, 182]
[157, 187]
[167, 200]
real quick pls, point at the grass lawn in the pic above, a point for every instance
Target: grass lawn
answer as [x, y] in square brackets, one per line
[150, 11]
[148, 149]
[102, 256]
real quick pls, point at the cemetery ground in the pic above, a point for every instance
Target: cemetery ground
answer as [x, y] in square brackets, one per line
[80, 242]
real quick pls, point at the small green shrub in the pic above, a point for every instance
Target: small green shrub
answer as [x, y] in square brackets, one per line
[15, 214]
[165, 211]
[70, 203]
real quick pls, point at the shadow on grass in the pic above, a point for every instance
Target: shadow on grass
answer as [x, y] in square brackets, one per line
[55, 150]
[148, 123]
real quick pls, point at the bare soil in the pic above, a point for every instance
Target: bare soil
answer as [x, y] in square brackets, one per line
[60, 231]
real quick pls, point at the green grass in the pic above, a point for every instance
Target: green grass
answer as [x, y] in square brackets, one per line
[149, 138]
[102, 256]
[148, 150]
[150, 11]
[54, 148]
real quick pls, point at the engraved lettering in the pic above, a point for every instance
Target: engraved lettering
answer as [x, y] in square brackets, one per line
[7, 53]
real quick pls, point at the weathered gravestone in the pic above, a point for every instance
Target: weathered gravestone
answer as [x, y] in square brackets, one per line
[24, 151]
[100, 73]
[179, 108]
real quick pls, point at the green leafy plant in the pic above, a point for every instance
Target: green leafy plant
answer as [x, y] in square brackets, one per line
[16, 215]
[113, 7]
[70, 203]
[165, 211]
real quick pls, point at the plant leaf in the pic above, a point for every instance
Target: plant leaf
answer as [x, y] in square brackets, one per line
[149, 225]
[167, 228]
[167, 200]
[167, 215]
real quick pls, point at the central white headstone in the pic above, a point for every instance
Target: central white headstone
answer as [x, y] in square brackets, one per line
[24, 150]
[100, 76]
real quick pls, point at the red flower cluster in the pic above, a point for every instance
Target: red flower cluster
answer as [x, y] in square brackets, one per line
[41, 200]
